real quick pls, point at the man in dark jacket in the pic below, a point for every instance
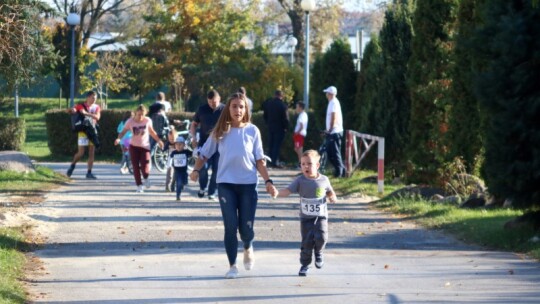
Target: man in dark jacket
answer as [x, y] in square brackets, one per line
[277, 120]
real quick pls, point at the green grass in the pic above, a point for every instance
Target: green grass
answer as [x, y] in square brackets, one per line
[484, 227]
[12, 263]
[348, 186]
[33, 111]
[30, 183]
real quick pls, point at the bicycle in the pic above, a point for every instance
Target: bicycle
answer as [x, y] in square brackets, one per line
[323, 152]
[160, 156]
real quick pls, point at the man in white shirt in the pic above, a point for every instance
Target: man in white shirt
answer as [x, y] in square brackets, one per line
[334, 130]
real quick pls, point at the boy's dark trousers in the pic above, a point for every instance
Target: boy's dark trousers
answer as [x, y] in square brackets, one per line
[314, 237]
[181, 180]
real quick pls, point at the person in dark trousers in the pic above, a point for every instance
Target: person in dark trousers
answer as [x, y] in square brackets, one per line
[277, 119]
[205, 119]
[334, 131]
[314, 190]
[179, 161]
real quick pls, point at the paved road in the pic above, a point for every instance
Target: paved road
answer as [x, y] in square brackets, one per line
[106, 244]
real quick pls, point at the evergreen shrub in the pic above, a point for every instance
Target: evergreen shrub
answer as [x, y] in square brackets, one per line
[12, 133]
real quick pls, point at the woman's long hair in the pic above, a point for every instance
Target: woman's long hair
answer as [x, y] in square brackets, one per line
[223, 125]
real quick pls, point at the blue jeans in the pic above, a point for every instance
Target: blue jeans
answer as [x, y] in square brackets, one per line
[333, 146]
[212, 162]
[181, 180]
[238, 205]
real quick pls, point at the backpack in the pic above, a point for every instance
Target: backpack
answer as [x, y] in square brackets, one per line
[160, 124]
[77, 120]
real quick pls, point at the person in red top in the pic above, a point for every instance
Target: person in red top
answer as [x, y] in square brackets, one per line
[91, 109]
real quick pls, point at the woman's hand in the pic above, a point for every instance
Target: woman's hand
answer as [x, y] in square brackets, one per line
[271, 190]
[116, 141]
[194, 176]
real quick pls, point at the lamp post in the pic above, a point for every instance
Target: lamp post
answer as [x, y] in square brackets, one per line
[73, 19]
[307, 6]
[292, 44]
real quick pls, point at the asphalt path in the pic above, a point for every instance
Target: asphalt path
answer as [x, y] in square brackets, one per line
[104, 243]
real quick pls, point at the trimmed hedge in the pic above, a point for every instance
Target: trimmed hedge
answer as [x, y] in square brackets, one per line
[62, 141]
[12, 133]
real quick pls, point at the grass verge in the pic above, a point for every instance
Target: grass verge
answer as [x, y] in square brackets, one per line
[33, 183]
[12, 244]
[12, 262]
[483, 227]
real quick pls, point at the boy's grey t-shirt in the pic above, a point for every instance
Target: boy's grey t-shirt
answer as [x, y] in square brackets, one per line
[311, 188]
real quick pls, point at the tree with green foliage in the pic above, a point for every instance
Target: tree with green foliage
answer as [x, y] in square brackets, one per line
[394, 105]
[507, 45]
[336, 68]
[202, 39]
[369, 85]
[430, 81]
[25, 52]
[465, 121]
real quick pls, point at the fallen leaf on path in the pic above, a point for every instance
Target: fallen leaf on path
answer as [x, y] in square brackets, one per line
[386, 266]
[360, 233]
[510, 271]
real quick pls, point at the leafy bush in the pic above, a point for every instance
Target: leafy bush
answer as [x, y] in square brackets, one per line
[63, 141]
[12, 133]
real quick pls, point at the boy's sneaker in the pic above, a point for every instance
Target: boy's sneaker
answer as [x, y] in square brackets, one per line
[249, 258]
[200, 194]
[303, 271]
[232, 273]
[70, 171]
[89, 175]
[140, 189]
[146, 183]
[319, 262]
[178, 199]
[211, 197]
[124, 170]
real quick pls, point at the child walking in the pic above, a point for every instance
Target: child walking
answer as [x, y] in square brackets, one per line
[314, 190]
[179, 161]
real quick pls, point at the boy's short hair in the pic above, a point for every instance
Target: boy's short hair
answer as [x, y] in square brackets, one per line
[312, 153]
[301, 105]
[90, 93]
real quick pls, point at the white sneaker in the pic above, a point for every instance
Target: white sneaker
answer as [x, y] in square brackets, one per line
[146, 183]
[140, 189]
[249, 258]
[232, 273]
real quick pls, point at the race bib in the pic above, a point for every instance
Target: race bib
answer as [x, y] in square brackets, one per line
[83, 141]
[313, 206]
[180, 160]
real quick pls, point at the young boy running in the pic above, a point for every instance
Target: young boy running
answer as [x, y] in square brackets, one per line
[314, 190]
[179, 161]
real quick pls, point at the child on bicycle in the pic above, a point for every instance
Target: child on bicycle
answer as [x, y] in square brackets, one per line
[179, 161]
[124, 143]
[314, 190]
